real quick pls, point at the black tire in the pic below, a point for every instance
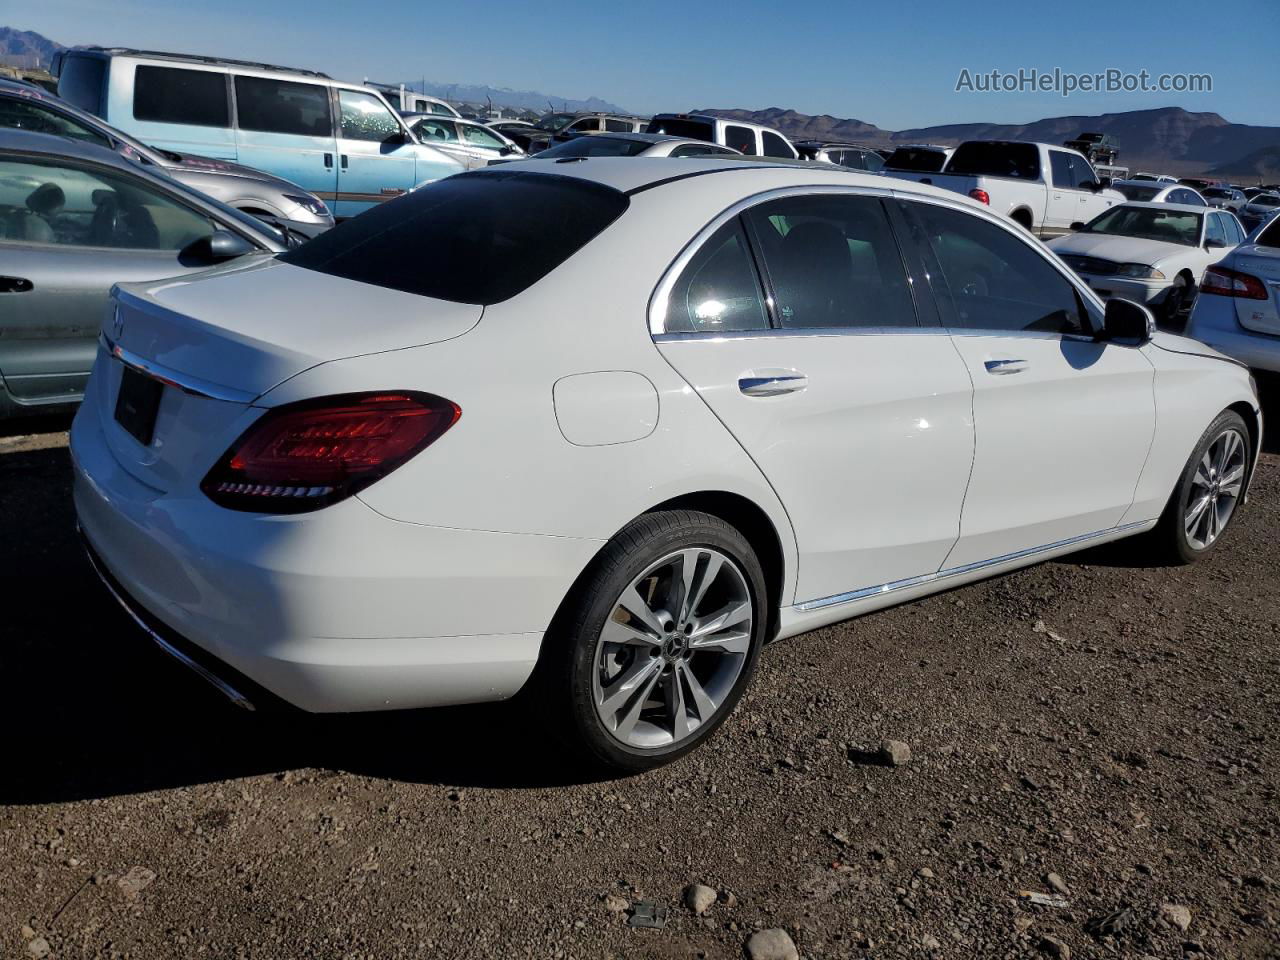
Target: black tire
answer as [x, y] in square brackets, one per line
[1176, 303]
[563, 684]
[1169, 541]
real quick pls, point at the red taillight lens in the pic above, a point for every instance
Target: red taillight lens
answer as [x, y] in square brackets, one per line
[981, 196]
[303, 456]
[1226, 282]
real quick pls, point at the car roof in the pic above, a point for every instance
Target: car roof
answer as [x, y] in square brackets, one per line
[195, 58]
[1165, 207]
[821, 144]
[635, 174]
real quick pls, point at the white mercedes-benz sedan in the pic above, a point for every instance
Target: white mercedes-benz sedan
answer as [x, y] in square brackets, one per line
[595, 431]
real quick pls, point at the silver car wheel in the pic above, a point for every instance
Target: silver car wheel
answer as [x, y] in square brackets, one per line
[673, 648]
[1215, 488]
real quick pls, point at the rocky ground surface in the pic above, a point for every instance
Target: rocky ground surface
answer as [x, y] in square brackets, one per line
[1086, 763]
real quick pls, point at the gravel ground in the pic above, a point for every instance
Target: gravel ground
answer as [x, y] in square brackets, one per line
[1093, 730]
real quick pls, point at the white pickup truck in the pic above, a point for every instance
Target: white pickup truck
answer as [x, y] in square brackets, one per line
[1043, 187]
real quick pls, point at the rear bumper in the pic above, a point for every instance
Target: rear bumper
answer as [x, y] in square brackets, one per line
[334, 611]
[1214, 323]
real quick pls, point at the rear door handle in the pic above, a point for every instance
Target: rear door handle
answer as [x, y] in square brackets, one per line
[1002, 368]
[344, 161]
[15, 285]
[768, 383]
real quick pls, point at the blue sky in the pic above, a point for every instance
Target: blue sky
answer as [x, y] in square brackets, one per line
[892, 64]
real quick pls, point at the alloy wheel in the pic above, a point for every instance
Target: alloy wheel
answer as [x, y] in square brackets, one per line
[673, 648]
[1215, 488]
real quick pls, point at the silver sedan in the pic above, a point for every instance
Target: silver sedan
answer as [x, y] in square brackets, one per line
[635, 145]
[469, 142]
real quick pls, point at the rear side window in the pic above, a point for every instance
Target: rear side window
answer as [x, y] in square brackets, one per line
[742, 139]
[719, 291]
[278, 106]
[617, 126]
[995, 158]
[477, 238]
[996, 280]
[80, 82]
[170, 95]
[833, 262]
[775, 146]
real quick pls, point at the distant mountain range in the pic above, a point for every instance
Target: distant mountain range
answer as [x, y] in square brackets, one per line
[505, 97]
[1166, 140]
[26, 48]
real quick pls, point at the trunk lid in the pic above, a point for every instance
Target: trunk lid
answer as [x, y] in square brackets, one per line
[219, 342]
[1260, 316]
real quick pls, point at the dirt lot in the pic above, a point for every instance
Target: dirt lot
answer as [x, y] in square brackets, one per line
[1115, 725]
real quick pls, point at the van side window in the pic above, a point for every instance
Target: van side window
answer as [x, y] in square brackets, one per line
[366, 117]
[170, 95]
[277, 106]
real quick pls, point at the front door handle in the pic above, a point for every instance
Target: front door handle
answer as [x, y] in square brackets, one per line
[15, 285]
[344, 161]
[771, 384]
[328, 161]
[1002, 368]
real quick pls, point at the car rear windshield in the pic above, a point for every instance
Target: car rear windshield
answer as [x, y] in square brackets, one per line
[599, 146]
[80, 82]
[681, 127]
[1140, 194]
[921, 161]
[477, 238]
[993, 158]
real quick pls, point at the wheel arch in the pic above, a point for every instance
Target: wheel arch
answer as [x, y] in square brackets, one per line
[1254, 425]
[1023, 217]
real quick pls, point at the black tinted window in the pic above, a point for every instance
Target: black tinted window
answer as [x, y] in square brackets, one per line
[1270, 237]
[1061, 164]
[833, 262]
[617, 126]
[479, 238]
[676, 127]
[277, 106]
[922, 161]
[995, 279]
[601, 146]
[995, 158]
[719, 290]
[170, 95]
[80, 81]
[742, 139]
[775, 146]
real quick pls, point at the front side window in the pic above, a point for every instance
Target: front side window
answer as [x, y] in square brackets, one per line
[480, 137]
[171, 95]
[719, 291]
[996, 281]
[1235, 232]
[278, 106]
[20, 113]
[366, 117]
[1060, 165]
[742, 139]
[775, 146]
[1214, 230]
[585, 125]
[833, 262]
[85, 207]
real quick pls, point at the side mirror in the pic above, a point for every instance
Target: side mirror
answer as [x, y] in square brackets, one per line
[1104, 183]
[216, 247]
[1077, 226]
[1127, 321]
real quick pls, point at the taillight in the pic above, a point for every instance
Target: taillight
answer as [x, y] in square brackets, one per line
[981, 196]
[1225, 282]
[303, 456]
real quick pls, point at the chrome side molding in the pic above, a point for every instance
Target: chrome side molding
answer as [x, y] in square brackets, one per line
[885, 588]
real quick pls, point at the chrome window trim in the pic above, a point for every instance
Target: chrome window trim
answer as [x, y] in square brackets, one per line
[942, 575]
[170, 378]
[797, 332]
[658, 300]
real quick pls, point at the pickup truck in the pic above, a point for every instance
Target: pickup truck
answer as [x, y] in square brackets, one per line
[1043, 187]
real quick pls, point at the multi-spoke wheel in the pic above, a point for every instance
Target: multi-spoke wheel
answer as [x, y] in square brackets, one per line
[660, 640]
[1208, 492]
